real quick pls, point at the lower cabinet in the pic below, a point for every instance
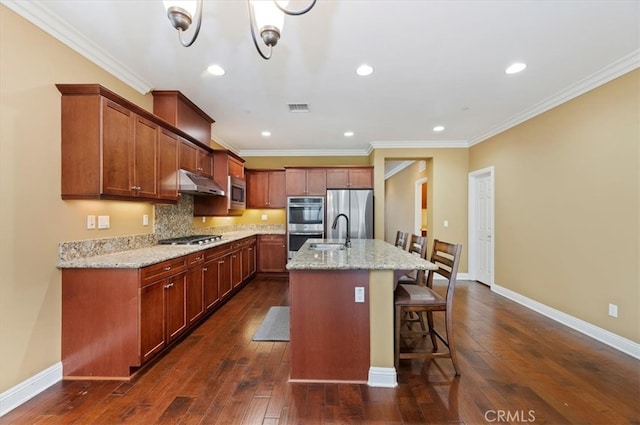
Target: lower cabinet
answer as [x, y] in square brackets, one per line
[272, 253]
[116, 320]
[248, 252]
[162, 314]
[195, 287]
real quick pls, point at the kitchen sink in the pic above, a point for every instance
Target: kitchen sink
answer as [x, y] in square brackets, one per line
[326, 246]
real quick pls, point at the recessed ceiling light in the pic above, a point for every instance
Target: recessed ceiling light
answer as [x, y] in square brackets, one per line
[438, 128]
[364, 70]
[216, 70]
[515, 68]
[266, 133]
[348, 134]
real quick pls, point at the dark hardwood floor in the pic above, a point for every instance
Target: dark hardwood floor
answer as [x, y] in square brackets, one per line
[517, 367]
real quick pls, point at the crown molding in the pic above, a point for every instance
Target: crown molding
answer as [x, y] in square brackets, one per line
[38, 14]
[304, 152]
[435, 144]
[612, 71]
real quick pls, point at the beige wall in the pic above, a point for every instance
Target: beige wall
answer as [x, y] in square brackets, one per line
[566, 206]
[400, 200]
[33, 218]
[447, 173]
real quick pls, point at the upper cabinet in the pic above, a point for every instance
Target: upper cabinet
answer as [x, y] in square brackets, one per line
[113, 149]
[306, 181]
[108, 150]
[167, 165]
[225, 164]
[266, 189]
[173, 107]
[195, 159]
[350, 178]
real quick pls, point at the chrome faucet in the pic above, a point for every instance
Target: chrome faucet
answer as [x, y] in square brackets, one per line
[347, 242]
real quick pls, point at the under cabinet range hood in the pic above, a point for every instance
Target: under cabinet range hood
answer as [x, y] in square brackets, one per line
[198, 185]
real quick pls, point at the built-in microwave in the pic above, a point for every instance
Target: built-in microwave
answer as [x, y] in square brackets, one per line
[237, 193]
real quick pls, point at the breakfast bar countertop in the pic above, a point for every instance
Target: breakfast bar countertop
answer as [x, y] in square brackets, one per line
[364, 254]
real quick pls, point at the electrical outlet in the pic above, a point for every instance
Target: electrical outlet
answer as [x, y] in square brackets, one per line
[359, 294]
[613, 310]
[91, 222]
[145, 220]
[446, 223]
[264, 217]
[103, 222]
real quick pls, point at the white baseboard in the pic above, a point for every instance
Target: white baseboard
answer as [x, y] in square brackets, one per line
[24, 391]
[383, 377]
[459, 276]
[616, 341]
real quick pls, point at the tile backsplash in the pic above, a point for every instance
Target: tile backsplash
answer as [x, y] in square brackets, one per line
[171, 221]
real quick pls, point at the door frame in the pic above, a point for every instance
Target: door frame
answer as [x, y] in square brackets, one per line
[417, 218]
[473, 254]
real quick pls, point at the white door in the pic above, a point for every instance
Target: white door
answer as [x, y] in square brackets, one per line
[481, 229]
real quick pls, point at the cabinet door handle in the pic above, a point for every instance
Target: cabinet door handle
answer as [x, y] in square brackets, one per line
[220, 262]
[167, 268]
[204, 269]
[168, 285]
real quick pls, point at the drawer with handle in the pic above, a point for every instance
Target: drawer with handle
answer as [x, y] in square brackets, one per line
[161, 270]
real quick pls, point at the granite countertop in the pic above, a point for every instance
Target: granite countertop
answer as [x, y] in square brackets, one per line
[142, 257]
[364, 254]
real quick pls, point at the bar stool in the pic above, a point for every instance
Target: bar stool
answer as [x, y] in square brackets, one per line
[424, 301]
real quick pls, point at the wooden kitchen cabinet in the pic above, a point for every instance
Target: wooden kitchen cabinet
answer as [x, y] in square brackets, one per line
[176, 316]
[272, 253]
[116, 320]
[350, 178]
[162, 292]
[266, 189]
[167, 165]
[195, 287]
[113, 149]
[167, 295]
[224, 273]
[175, 108]
[225, 164]
[236, 267]
[216, 276]
[305, 181]
[248, 252]
[108, 151]
[195, 159]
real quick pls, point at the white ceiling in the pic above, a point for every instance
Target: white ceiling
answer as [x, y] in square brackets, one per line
[436, 63]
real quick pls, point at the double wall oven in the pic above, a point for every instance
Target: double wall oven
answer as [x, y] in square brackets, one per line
[305, 220]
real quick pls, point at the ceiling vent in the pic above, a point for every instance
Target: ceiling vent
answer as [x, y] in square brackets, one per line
[298, 107]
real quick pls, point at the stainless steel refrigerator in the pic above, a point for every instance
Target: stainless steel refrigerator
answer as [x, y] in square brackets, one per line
[357, 204]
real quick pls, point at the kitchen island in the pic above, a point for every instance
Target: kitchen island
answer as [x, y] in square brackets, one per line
[342, 310]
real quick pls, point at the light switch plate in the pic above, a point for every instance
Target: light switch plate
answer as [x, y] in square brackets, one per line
[103, 222]
[145, 220]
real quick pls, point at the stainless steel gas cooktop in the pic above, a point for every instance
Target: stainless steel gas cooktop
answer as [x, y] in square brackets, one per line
[190, 240]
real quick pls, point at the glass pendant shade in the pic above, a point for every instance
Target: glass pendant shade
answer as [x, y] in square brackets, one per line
[267, 14]
[188, 5]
